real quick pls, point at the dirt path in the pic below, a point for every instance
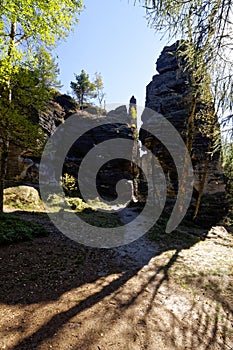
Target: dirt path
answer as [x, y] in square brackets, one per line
[56, 294]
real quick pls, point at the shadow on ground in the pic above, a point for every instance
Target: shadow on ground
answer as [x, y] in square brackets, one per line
[67, 296]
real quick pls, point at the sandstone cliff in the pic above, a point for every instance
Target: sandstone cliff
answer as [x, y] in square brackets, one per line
[169, 93]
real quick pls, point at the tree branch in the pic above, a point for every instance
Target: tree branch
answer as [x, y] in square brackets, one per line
[20, 40]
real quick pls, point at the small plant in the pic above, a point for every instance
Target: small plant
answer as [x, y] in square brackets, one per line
[69, 184]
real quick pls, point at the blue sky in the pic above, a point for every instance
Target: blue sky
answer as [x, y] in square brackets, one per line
[112, 38]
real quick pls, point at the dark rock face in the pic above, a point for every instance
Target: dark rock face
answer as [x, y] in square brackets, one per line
[167, 60]
[113, 171]
[66, 102]
[169, 91]
[169, 94]
[52, 117]
[57, 110]
[24, 166]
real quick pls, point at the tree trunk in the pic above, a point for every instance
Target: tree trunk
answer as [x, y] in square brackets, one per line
[81, 102]
[3, 169]
[190, 128]
[201, 189]
[5, 140]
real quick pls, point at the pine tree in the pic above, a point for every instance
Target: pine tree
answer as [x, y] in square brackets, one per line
[83, 88]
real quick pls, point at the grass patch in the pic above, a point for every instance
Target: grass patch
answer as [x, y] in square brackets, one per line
[100, 219]
[14, 229]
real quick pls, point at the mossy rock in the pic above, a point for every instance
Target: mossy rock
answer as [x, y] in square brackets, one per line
[21, 197]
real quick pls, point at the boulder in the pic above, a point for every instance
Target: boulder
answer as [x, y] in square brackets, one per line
[22, 196]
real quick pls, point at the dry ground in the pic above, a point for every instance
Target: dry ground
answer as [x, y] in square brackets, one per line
[57, 294]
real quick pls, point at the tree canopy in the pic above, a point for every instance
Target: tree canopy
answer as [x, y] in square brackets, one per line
[29, 29]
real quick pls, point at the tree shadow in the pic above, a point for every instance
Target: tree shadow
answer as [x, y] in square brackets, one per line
[43, 270]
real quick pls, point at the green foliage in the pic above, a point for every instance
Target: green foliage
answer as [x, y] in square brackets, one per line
[47, 68]
[228, 168]
[13, 229]
[133, 113]
[70, 185]
[99, 88]
[227, 155]
[37, 21]
[77, 204]
[83, 88]
[29, 29]
[29, 92]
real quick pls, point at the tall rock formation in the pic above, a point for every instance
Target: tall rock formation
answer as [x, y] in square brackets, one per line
[169, 94]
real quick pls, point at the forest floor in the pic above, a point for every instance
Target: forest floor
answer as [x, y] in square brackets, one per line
[57, 294]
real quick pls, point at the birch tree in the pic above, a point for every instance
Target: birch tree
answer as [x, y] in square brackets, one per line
[29, 30]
